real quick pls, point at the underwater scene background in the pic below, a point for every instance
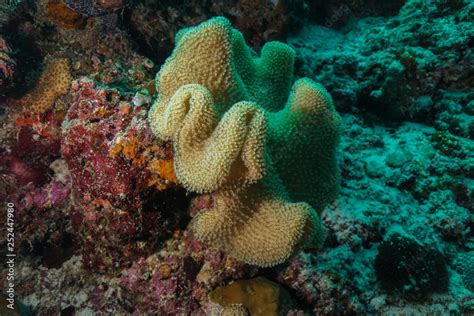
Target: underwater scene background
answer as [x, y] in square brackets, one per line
[237, 157]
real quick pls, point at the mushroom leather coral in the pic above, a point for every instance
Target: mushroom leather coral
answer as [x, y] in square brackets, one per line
[243, 134]
[210, 153]
[257, 224]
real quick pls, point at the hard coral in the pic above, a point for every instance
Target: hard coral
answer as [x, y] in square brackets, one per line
[53, 82]
[241, 134]
[465, 265]
[259, 296]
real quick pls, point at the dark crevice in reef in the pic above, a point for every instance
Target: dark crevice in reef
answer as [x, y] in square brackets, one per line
[147, 45]
[53, 256]
[150, 38]
[55, 248]
[172, 206]
[337, 13]
[26, 53]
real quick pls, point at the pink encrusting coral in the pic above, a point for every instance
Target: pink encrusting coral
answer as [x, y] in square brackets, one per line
[35, 146]
[176, 280]
[108, 147]
[40, 210]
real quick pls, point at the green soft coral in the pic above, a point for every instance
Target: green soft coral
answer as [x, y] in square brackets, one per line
[265, 150]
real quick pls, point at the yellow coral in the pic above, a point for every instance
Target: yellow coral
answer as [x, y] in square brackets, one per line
[53, 82]
[243, 134]
[131, 149]
[210, 154]
[257, 297]
[257, 225]
[161, 170]
[164, 168]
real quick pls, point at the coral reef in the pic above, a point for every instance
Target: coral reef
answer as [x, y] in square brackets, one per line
[155, 24]
[177, 279]
[104, 224]
[213, 113]
[6, 10]
[108, 147]
[338, 13]
[42, 228]
[94, 8]
[465, 265]
[36, 181]
[103, 12]
[400, 68]
[62, 16]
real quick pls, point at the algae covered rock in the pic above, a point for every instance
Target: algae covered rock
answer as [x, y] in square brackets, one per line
[407, 267]
[465, 266]
[259, 297]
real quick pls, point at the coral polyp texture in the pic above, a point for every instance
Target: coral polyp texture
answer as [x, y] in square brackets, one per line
[263, 149]
[252, 297]
[53, 82]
